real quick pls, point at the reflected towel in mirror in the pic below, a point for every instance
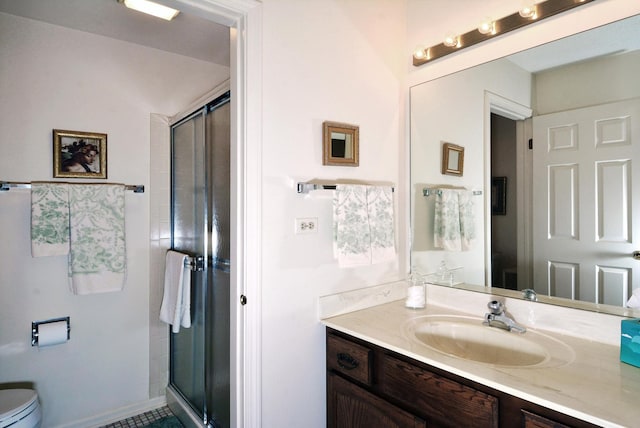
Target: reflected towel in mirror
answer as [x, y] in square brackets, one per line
[454, 220]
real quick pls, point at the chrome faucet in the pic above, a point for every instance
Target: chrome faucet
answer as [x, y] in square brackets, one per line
[497, 317]
[530, 294]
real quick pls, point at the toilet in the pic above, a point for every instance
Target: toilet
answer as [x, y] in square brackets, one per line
[19, 408]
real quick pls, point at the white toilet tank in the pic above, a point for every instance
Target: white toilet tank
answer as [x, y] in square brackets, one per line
[19, 408]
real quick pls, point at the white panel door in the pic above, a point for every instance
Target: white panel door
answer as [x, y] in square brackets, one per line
[586, 189]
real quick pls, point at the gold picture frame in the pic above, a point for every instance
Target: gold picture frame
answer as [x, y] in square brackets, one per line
[452, 159]
[340, 144]
[78, 154]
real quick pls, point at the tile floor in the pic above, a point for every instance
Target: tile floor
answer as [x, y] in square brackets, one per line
[141, 421]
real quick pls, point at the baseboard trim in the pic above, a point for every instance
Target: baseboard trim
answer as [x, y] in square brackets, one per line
[118, 414]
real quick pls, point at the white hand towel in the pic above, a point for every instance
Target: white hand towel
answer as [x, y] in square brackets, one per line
[49, 219]
[176, 298]
[634, 300]
[97, 261]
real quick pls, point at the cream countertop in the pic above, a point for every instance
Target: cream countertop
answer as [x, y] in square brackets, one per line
[595, 386]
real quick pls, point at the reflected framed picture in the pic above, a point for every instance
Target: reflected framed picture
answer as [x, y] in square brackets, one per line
[499, 195]
[452, 159]
[78, 154]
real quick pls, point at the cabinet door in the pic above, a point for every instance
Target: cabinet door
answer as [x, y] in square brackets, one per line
[350, 406]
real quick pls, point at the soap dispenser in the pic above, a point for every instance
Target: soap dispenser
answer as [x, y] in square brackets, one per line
[416, 292]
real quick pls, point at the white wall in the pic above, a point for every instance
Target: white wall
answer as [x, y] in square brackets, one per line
[323, 60]
[609, 79]
[52, 77]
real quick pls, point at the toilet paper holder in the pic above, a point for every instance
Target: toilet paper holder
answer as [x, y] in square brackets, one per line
[35, 326]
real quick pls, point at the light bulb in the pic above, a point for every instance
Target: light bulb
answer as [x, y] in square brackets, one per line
[487, 26]
[419, 52]
[528, 11]
[451, 40]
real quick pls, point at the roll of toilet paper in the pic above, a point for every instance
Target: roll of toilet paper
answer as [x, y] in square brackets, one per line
[52, 333]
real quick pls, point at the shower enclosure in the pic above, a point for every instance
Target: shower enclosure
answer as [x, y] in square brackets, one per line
[199, 390]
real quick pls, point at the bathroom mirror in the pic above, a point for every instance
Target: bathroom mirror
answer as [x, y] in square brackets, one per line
[339, 144]
[452, 159]
[502, 102]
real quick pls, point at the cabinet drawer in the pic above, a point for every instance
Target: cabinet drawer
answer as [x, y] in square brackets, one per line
[349, 358]
[531, 420]
[447, 402]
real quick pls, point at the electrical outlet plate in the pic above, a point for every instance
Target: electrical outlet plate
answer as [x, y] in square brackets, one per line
[306, 225]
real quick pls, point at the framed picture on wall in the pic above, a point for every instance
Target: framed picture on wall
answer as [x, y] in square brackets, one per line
[78, 154]
[499, 195]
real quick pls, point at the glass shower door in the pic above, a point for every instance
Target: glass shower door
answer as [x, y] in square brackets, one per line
[201, 227]
[189, 202]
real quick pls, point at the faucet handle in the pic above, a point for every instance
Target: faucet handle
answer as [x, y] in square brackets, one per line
[495, 307]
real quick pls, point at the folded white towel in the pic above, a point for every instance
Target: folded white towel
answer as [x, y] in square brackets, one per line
[363, 224]
[97, 261]
[49, 219]
[176, 298]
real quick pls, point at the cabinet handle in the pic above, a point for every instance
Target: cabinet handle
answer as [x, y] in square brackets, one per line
[346, 361]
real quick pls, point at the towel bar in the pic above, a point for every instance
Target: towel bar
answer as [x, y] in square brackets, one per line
[307, 187]
[8, 185]
[195, 263]
[429, 192]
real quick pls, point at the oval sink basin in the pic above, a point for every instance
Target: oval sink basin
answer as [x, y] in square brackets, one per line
[468, 338]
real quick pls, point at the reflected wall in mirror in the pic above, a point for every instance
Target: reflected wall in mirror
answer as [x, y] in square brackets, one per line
[340, 144]
[452, 159]
[562, 123]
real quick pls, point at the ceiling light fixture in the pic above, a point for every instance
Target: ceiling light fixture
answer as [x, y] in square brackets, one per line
[151, 8]
[489, 29]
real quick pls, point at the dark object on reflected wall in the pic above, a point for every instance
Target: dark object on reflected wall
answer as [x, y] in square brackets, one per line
[498, 195]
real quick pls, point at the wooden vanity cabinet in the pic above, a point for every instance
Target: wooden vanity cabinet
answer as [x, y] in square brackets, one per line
[370, 386]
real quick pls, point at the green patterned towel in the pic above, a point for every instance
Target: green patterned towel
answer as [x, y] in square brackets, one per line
[49, 219]
[97, 262]
[363, 225]
[454, 220]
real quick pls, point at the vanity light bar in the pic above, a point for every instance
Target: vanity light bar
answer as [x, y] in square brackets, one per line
[512, 22]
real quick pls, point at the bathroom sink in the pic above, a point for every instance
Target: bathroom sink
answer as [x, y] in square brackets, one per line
[469, 339]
